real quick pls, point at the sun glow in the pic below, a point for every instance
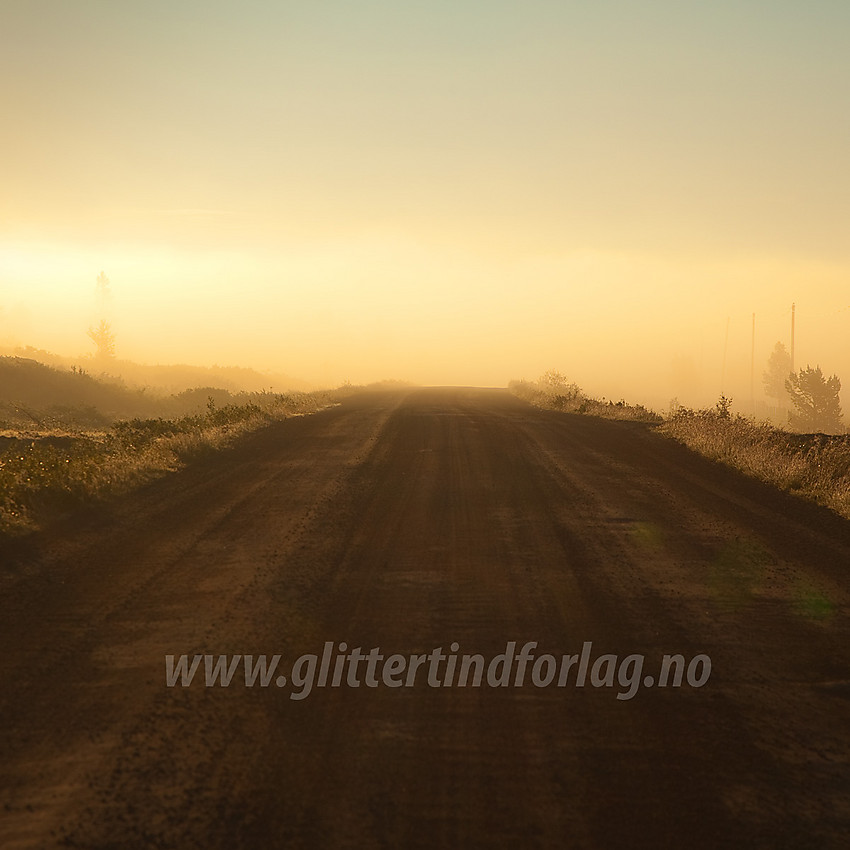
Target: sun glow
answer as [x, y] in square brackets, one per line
[462, 194]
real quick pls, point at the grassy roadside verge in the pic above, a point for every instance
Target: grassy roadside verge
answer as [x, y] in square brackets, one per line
[814, 466]
[53, 467]
[554, 392]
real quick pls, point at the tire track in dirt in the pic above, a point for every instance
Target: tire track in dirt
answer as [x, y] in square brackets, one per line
[408, 522]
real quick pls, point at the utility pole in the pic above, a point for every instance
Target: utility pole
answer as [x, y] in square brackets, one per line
[793, 308]
[753, 368]
[723, 370]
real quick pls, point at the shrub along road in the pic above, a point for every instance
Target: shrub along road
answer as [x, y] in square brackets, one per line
[410, 521]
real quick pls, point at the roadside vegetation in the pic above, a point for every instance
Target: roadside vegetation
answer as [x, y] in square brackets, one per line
[553, 391]
[88, 439]
[815, 466]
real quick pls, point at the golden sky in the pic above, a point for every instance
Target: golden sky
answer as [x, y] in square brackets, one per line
[449, 192]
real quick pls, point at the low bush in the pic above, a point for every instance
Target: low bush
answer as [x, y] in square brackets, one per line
[553, 391]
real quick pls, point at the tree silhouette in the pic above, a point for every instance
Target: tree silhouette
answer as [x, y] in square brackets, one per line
[102, 291]
[102, 335]
[815, 399]
[104, 339]
[777, 372]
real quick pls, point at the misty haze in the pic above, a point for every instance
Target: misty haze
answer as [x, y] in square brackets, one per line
[424, 425]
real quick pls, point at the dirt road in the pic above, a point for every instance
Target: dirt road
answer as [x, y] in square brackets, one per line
[410, 522]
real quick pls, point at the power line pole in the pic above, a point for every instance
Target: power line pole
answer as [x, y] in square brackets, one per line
[723, 369]
[753, 368]
[793, 309]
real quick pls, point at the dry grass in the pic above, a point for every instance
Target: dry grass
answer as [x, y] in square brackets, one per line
[50, 467]
[554, 392]
[816, 466]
